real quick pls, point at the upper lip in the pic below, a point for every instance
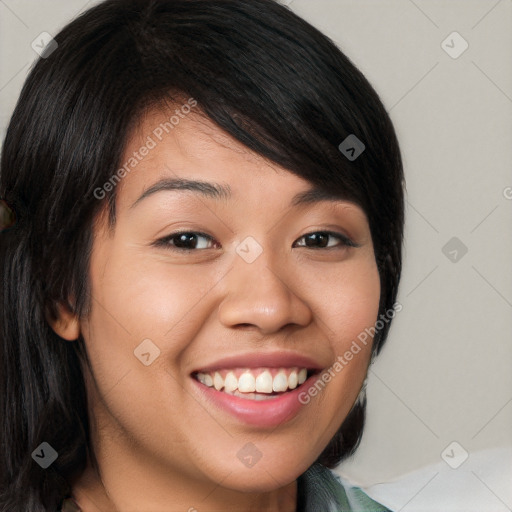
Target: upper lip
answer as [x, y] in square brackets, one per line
[262, 359]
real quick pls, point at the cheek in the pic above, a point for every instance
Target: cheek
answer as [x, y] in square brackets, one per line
[349, 302]
[348, 306]
[142, 298]
[141, 307]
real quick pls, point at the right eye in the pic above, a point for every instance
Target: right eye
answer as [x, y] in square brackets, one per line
[185, 241]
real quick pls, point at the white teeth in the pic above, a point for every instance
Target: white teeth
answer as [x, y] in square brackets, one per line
[218, 381]
[292, 380]
[280, 382]
[251, 384]
[247, 383]
[264, 382]
[208, 381]
[230, 382]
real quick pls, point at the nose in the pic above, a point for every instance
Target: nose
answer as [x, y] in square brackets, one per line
[260, 295]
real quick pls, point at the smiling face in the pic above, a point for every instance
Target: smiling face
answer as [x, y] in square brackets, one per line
[257, 280]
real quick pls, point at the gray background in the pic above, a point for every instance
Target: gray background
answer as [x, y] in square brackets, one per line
[445, 374]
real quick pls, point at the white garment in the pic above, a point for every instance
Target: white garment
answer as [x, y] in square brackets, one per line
[482, 483]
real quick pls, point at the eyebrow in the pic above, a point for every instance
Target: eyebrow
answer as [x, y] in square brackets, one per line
[223, 191]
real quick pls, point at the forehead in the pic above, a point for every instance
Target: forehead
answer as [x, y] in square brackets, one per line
[191, 136]
[192, 153]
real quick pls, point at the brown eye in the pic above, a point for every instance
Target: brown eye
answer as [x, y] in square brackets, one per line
[186, 241]
[320, 240]
[192, 240]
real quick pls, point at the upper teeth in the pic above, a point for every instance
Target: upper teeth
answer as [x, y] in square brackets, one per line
[251, 380]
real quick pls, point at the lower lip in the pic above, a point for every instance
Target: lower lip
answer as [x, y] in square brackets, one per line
[259, 413]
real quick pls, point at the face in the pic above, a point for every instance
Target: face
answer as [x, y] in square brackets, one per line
[207, 306]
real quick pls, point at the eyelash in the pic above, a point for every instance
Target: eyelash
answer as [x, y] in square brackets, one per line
[345, 241]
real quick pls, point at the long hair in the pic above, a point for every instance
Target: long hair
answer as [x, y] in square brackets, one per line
[257, 70]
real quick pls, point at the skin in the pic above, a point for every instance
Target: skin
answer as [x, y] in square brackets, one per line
[159, 444]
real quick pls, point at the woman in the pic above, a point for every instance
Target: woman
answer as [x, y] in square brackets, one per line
[208, 205]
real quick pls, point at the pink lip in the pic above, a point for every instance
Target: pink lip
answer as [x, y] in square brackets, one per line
[269, 360]
[263, 413]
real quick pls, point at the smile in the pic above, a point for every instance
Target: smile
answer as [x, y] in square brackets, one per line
[260, 397]
[254, 383]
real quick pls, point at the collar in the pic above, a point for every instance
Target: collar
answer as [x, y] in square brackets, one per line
[320, 489]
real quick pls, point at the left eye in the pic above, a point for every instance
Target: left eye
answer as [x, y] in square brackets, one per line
[191, 240]
[321, 237]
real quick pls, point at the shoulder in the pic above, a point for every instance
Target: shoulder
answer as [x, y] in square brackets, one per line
[319, 488]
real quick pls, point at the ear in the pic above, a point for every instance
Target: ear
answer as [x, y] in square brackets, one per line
[65, 323]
